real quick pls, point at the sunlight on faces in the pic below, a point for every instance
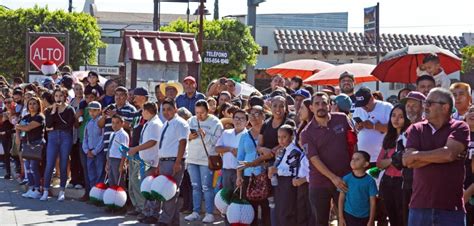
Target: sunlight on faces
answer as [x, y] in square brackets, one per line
[189, 86]
[435, 107]
[358, 162]
[462, 100]
[239, 121]
[94, 112]
[414, 109]
[278, 107]
[303, 114]
[320, 106]
[424, 86]
[201, 113]
[256, 116]
[223, 98]
[284, 139]
[171, 92]
[277, 81]
[397, 118]
[120, 97]
[431, 67]
[346, 85]
[117, 124]
[59, 97]
[212, 105]
[33, 106]
[169, 111]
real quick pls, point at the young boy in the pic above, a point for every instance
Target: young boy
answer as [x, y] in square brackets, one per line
[115, 160]
[93, 79]
[93, 145]
[432, 66]
[357, 204]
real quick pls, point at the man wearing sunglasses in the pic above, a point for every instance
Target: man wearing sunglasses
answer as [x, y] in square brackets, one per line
[435, 150]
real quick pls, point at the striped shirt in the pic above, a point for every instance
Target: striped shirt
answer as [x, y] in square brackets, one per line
[127, 112]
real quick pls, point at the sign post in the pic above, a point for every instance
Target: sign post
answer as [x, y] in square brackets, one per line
[216, 57]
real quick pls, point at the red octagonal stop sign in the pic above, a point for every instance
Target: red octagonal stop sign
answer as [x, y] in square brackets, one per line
[47, 48]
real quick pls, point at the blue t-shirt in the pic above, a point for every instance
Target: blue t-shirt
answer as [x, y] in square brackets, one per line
[357, 202]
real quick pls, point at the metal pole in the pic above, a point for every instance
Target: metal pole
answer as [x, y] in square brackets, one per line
[201, 37]
[70, 6]
[377, 37]
[155, 15]
[27, 56]
[187, 18]
[252, 22]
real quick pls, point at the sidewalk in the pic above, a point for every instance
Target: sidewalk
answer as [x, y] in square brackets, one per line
[16, 210]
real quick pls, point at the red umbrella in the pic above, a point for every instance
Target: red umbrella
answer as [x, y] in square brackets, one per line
[303, 68]
[400, 65]
[330, 76]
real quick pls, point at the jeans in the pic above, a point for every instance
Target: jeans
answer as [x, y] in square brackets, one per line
[436, 217]
[95, 168]
[320, 199]
[201, 181]
[32, 173]
[59, 142]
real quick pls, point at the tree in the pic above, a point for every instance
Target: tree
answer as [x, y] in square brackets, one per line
[467, 58]
[84, 35]
[239, 43]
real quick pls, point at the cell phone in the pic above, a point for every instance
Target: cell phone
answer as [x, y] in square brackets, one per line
[193, 130]
[242, 162]
[357, 119]
[110, 107]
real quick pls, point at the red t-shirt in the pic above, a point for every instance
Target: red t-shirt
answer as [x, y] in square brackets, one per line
[438, 185]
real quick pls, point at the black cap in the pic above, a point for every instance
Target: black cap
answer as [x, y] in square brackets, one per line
[346, 74]
[140, 91]
[362, 97]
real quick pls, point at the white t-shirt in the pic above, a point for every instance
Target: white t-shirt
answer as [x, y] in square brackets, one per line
[442, 80]
[230, 139]
[178, 129]
[290, 163]
[151, 131]
[370, 140]
[119, 137]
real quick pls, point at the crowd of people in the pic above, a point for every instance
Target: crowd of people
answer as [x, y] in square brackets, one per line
[299, 156]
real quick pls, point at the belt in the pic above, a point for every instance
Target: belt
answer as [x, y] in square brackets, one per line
[170, 159]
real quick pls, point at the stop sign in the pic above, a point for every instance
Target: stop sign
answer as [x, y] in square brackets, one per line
[47, 48]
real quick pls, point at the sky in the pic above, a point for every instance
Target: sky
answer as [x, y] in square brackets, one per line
[432, 17]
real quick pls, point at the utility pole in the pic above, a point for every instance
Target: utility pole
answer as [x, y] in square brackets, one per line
[156, 17]
[70, 6]
[200, 37]
[216, 9]
[252, 22]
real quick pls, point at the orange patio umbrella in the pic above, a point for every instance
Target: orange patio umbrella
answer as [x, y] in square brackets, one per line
[303, 68]
[361, 72]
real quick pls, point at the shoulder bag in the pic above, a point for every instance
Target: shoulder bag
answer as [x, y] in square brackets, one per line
[259, 185]
[32, 151]
[214, 162]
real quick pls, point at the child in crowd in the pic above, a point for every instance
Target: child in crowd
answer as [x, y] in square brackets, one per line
[93, 79]
[357, 204]
[93, 145]
[115, 160]
[286, 167]
[433, 67]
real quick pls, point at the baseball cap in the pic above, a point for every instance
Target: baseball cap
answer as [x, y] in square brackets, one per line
[346, 74]
[414, 95]
[94, 105]
[190, 78]
[140, 91]
[362, 97]
[302, 93]
[343, 102]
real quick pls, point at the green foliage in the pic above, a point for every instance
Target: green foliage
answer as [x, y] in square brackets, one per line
[84, 35]
[241, 46]
[467, 58]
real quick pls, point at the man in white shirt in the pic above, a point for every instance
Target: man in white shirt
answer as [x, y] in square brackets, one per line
[172, 152]
[371, 118]
[227, 146]
[148, 151]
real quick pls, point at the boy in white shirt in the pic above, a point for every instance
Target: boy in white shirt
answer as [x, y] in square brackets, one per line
[433, 68]
[115, 160]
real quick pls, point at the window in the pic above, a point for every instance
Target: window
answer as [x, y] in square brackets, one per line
[264, 50]
[396, 86]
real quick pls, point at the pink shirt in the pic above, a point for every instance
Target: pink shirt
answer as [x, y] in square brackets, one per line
[390, 170]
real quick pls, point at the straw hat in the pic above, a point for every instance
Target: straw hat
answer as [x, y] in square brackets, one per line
[174, 84]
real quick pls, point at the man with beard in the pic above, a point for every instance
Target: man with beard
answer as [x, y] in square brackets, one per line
[325, 142]
[424, 84]
[346, 84]
[435, 150]
[414, 108]
[190, 96]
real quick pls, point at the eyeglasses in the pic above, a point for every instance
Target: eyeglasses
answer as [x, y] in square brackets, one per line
[428, 103]
[255, 115]
[240, 119]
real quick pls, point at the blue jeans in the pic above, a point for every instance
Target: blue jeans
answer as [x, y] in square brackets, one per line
[32, 169]
[59, 142]
[201, 181]
[95, 168]
[435, 217]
